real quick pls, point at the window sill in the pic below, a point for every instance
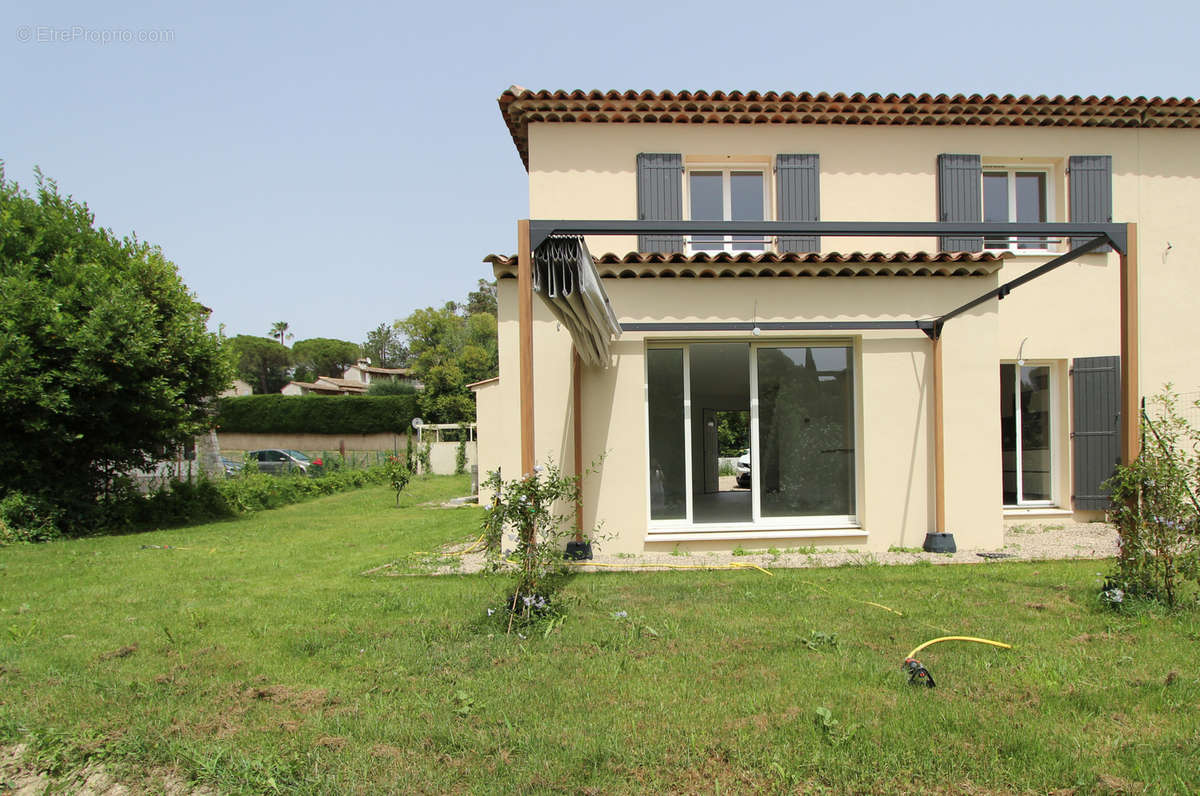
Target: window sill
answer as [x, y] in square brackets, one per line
[727, 533]
[1020, 512]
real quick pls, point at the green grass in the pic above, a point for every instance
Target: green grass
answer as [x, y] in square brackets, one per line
[257, 658]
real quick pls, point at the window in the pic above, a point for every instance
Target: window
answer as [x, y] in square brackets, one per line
[727, 194]
[1011, 195]
[801, 406]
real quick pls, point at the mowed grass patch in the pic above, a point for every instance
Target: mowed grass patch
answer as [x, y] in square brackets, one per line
[256, 658]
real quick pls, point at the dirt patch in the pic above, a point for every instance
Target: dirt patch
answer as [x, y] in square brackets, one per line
[1108, 784]
[120, 652]
[383, 750]
[20, 776]
[331, 741]
[302, 701]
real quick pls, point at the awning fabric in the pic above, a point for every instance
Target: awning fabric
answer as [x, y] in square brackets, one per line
[566, 279]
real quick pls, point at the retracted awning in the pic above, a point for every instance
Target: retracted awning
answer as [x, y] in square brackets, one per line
[564, 275]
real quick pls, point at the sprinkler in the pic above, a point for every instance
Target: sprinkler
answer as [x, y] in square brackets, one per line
[917, 673]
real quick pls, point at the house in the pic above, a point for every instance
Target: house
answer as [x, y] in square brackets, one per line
[365, 372]
[932, 309]
[356, 380]
[325, 385]
[238, 388]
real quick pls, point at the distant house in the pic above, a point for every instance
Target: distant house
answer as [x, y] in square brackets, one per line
[239, 387]
[367, 373]
[326, 385]
[355, 381]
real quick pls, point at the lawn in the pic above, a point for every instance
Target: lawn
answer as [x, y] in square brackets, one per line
[253, 656]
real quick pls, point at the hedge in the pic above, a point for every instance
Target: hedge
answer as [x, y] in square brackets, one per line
[316, 414]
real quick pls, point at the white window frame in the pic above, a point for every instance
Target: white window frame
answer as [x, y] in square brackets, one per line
[686, 528]
[1011, 170]
[1056, 452]
[726, 169]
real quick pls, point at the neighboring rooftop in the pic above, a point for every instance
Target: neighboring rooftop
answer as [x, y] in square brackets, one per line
[520, 106]
[702, 265]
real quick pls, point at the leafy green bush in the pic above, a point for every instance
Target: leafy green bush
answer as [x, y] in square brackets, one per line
[185, 503]
[1157, 513]
[27, 518]
[105, 359]
[316, 414]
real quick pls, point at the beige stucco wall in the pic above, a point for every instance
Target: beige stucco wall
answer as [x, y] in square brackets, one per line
[889, 174]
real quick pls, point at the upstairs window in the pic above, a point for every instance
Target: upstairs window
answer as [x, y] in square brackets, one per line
[1016, 195]
[727, 194]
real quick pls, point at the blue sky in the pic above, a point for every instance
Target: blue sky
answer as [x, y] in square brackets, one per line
[337, 166]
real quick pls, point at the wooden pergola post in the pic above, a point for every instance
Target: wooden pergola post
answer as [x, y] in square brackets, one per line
[939, 441]
[525, 326]
[1130, 404]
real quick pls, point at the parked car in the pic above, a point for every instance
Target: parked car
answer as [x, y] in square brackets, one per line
[280, 461]
[743, 470]
[231, 467]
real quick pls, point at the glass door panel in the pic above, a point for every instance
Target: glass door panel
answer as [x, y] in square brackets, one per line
[805, 431]
[1026, 441]
[668, 452]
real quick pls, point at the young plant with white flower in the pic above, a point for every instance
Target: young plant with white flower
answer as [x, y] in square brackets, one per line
[525, 530]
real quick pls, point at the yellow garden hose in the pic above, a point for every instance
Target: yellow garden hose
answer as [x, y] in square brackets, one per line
[917, 673]
[1000, 644]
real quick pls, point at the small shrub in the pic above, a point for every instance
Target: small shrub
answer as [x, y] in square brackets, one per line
[398, 475]
[522, 527]
[27, 518]
[1156, 512]
[424, 456]
[460, 455]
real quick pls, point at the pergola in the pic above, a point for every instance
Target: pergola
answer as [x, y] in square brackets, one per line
[531, 234]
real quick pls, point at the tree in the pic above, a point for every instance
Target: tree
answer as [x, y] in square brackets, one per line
[482, 300]
[385, 347]
[105, 360]
[323, 356]
[448, 352]
[261, 361]
[278, 330]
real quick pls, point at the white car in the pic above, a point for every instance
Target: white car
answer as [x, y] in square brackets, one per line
[743, 470]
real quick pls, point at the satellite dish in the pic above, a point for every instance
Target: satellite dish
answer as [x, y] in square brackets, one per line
[417, 422]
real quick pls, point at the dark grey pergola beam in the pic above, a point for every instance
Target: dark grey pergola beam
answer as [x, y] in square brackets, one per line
[1114, 234]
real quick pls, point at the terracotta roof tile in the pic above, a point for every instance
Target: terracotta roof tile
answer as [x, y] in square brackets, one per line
[520, 106]
[770, 264]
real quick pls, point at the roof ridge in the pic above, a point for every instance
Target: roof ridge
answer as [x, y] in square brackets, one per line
[520, 106]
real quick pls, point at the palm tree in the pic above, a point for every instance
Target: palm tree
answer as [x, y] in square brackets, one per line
[279, 329]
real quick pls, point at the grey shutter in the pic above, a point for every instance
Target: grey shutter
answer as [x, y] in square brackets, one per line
[660, 198]
[960, 187]
[1096, 424]
[798, 195]
[1090, 180]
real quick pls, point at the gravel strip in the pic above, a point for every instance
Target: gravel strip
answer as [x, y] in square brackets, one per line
[1024, 540]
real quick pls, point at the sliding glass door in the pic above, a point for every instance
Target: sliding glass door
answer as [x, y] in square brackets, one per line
[802, 455]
